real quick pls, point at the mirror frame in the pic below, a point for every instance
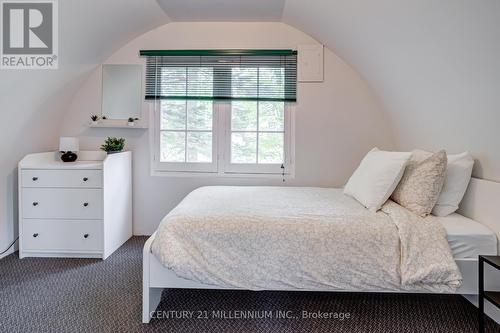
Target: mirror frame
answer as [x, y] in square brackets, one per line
[122, 123]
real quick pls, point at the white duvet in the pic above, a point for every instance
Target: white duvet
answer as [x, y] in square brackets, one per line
[302, 238]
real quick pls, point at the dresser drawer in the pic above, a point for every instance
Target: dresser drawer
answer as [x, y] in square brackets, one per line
[61, 178]
[63, 203]
[62, 235]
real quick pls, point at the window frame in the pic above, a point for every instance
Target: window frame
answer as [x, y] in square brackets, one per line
[221, 148]
[202, 167]
[255, 168]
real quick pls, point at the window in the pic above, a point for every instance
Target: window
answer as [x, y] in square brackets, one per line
[222, 113]
[257, 137]
[186, 133]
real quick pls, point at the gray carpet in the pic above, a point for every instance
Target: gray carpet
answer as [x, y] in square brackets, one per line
[87, 295]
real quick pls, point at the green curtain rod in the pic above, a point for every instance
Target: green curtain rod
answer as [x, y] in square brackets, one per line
[263, 52]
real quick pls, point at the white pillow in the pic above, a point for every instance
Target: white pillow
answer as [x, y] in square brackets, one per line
[376, 177]
[458, 173]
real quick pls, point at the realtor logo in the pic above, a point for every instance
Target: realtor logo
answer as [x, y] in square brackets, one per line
[29, 34]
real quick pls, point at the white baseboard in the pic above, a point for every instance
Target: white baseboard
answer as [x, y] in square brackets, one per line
[12, 249]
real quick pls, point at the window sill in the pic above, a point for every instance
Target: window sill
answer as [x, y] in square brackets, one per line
[183, 174]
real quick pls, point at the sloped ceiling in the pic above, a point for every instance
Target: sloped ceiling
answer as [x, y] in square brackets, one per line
[223, 10]
[435, 65]
[89, 31]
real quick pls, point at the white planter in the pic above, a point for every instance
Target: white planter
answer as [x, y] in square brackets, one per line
[95, 122]
[131, 123]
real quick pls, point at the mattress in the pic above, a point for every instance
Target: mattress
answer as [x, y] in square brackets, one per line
[273, 238]
[468, 238]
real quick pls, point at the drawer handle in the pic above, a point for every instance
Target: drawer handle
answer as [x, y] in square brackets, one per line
[85, 204]
[35, 203]
[35, 179]
[85, 179]
[86, 236]
[35, 235]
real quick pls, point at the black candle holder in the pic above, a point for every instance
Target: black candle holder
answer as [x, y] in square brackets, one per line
[68, 156]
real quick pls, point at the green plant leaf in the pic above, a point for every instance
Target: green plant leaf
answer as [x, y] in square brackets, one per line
[113, 144]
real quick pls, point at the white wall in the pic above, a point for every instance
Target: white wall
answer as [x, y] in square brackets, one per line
[33, 102]
[434, 64]
[337, 121]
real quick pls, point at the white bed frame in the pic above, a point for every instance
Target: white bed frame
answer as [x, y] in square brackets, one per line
[481, 203]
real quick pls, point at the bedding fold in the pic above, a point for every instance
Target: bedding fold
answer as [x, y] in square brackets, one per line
[302, 238]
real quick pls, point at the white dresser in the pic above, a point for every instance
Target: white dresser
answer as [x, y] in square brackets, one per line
[75, 209]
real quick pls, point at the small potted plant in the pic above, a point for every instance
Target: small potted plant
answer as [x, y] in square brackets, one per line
[131, 121]
[94, 118]
[113, 145]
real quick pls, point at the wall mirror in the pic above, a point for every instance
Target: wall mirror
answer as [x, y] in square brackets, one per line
[121, 91]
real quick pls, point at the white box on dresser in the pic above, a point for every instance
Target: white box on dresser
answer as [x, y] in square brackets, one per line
[76, 209]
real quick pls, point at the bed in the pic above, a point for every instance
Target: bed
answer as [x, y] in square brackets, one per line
[467, 237]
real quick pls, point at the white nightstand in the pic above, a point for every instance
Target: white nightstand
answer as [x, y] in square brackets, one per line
[75, 209]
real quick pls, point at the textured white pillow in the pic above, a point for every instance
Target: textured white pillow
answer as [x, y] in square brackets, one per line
[376, 177]
[421, 184]
[458, 173]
